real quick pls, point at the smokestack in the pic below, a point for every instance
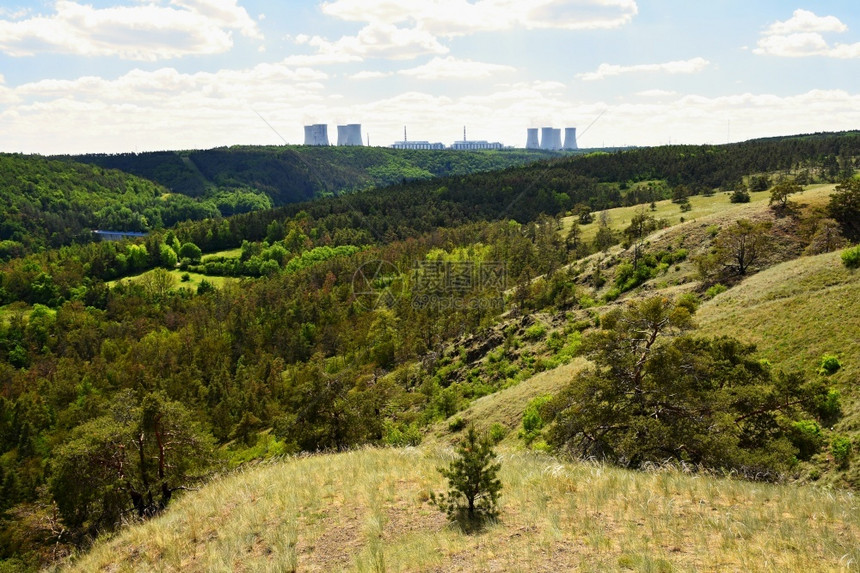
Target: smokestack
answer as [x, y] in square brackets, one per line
[570, 139]
[532, 139]
[349, 135]
[550, 139]
[316, 134]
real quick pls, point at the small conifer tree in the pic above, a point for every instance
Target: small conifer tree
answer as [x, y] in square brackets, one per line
[474, 487]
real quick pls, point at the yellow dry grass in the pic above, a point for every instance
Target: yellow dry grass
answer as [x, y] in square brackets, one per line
[368, 510]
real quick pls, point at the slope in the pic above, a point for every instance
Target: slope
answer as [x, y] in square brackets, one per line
[368, 510]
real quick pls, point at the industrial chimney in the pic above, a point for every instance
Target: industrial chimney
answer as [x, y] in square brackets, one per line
[532, 139]
[316, 134]
[349, 134]
[550, 139]
[570, 139]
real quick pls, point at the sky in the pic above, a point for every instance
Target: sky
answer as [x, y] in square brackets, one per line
[113, 76]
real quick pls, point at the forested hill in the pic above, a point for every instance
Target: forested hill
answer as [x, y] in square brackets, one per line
[592, 182]
[51, 202]
[830, 155]
[290, 174]
[47, 203]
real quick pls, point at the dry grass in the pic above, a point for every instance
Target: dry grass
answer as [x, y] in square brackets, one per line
[367, 510]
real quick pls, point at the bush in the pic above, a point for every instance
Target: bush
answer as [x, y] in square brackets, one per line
[497, 433]
[474, 487]
[739, 196]
[535, 332]
[205, 286]
[456, 424]
[533, 422]
[829, 365]
[841, 448]
[851, 257]
[400, 435]
[806, 437]
[715, 290]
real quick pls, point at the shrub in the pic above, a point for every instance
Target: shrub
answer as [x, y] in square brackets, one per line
[830, 408]
[841, 448]
[739, 196]
[829, 365]
[497, 433]
[851, 257]
[185, 277]
[806, 437]
[456, 424]
[205, 286]
[535, 332]
[400, 435]
[474, 487]
[715, 290]
[533, 422]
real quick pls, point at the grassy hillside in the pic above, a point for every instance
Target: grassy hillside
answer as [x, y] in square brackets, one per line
[368, 510]
[343, 352]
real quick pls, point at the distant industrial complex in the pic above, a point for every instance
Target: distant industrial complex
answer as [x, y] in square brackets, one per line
[350, 135]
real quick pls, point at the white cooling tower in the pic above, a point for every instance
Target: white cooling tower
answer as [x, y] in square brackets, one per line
[570, 139]
[550, 139]
[316, 134]
[532, 139]
[349, 134]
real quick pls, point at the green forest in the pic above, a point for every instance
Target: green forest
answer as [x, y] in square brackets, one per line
[305, 300]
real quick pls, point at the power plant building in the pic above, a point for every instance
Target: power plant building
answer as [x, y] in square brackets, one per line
[349, 135]
[417, 145]
[475, 145]
[570, 139]
[550, 139]
[532, 139]
[316, 134]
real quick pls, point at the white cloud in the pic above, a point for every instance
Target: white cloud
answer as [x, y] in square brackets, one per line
[656, 93]
[146, 32]
[805, 21]
[802, 36]
[677, 67]
[161, 109]
[457, 17]
[379, 40]
[451, 68]
[369, 75]
[312, 60]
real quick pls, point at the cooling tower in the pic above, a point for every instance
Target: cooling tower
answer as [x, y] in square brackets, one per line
[349, 134]
[316, 134]
[550, 139]
[532, 139]
[570, 139]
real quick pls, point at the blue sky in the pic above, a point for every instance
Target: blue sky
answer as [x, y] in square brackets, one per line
[141, 75]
